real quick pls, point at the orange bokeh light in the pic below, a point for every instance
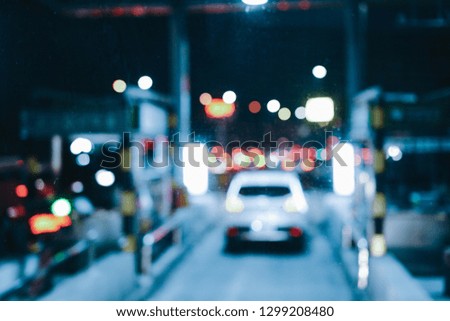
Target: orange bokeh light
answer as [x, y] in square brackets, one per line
[21, 191]
[48, 223]
[254, 107]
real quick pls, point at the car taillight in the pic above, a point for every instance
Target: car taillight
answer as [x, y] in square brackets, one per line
[232, 231]
[16, 211]
[234, 205]
[48, 223]
[295, 232]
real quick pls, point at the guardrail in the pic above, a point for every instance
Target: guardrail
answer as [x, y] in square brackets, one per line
[447, 271]
[31, 286]
[375, 278]
[171, 228]
[353, 238]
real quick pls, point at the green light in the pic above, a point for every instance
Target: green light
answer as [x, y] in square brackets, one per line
[259, 161]
[61, 207]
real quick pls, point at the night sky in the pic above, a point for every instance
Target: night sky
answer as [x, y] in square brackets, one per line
[260, 55]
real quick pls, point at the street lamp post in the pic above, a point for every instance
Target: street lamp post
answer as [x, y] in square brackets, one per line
[180, 77]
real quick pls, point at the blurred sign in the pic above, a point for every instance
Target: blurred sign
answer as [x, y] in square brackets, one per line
[417, 120]
[219, 109]
[319, 109]
[116, 117]
[420, 144]
[47, 123]
[153, 120]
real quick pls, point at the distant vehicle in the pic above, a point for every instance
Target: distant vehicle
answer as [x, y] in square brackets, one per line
[267, 206]
[14, 231]
[30, 210]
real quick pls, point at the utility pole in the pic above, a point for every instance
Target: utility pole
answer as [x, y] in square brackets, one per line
[180, 79]
[355, 14]
[180, 72]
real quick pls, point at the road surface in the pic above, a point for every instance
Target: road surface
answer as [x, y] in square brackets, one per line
[257, 273]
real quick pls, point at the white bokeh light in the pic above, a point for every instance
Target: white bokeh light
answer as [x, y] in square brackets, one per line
[229, 97]
[105, 178]
[395, 153]
[119, 86]
[273, 106]
[81, 145]
[195, 171]
[83, 159]
[319, 109]
[145, 82]
[300, 112]
[254, 2]
[344, 170]
[319, 71]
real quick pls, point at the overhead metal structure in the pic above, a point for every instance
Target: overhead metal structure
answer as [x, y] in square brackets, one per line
[139, 8]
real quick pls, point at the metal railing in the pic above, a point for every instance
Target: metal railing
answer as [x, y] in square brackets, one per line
[30, 286]
[171, 228]
[447, 272]
[353, 238]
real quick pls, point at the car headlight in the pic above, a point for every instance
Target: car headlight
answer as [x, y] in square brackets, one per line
[234, 205]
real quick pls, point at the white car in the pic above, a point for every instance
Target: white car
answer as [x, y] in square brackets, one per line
[265, 206]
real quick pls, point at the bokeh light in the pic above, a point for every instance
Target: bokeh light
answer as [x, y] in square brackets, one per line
[21, 191]
[119, 86]
[254, 107]
[81, 145]
[105, 178]
[145, 82]
[254, 2]
[229, 97]
[205, 99]
[273, 105]
[61, 207]
[320, 109]
[300, 112]
[39, 184]
[77, 187]
[284, 113]
[304, 5]
[83, 159]
[395, 152]
[219, 109]
[319, 72]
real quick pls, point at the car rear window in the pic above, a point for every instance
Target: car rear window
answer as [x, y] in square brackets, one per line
[264, 190]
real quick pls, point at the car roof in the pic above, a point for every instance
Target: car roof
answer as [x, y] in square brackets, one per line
[263, 177]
